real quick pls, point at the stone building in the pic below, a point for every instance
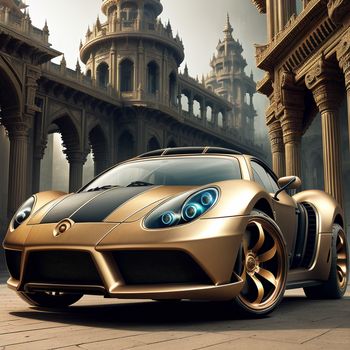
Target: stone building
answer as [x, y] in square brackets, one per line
[130, 98]
[307, 80]
[229, 80]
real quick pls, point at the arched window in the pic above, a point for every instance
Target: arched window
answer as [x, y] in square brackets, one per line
[153, 144]
[196, 109]
[127, 76]
[153, 77]
[102, 74]
[172, 88]
[88, 73]
[209, 114]
[221, 120]
[185, 103]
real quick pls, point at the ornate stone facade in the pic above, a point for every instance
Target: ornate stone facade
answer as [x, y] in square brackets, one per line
[308, 43]
[229, 80]
[128, 100]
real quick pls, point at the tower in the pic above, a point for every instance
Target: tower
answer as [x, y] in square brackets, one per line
[229, 80]
[133, 54]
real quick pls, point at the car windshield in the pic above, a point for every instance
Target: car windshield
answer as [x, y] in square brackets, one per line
[169, 171]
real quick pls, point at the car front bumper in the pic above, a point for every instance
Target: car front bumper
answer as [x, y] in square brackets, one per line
[128, 261]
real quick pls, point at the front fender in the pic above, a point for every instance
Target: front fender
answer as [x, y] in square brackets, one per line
[43, 200]
[237, 198]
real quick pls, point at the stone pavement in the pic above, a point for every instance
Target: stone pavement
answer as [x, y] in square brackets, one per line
[97, 323]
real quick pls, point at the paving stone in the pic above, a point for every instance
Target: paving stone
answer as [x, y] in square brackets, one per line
[97, 323]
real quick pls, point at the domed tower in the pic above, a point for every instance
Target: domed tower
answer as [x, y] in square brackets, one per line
[133, 53]
[229, 80]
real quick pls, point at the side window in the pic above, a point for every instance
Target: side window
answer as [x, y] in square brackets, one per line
[273, 183]
[261, 177]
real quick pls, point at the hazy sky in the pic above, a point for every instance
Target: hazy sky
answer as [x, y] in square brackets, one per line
[199, 23]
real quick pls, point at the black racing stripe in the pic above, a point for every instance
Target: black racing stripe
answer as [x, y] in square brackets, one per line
[65, 208]
[100, 207]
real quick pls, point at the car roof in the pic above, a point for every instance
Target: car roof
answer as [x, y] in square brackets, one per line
[188, 151]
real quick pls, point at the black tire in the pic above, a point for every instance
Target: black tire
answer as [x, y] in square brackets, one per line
[50, 300]
[263, 264]
[335, 286]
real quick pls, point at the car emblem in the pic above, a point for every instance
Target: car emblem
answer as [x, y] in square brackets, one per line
[62, 227]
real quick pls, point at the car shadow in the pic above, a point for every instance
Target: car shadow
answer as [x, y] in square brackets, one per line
[293, 313]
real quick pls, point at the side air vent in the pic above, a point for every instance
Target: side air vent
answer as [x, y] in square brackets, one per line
[311, 236]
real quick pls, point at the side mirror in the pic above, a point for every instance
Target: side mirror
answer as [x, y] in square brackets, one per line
[287, 182]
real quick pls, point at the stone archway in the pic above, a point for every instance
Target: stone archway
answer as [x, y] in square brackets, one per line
[153, 144]
[99, 146]
[76, 156]
[16, 139]
[126, 146]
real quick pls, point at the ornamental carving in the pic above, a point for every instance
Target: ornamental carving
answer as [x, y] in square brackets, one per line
[338, 9]
[32, 76]
[343, 56]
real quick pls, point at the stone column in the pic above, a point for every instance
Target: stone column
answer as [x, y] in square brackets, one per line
[324, 82]
[76, 161]
[343, 55]
[281, 14]
[291, 123]
[190, 105]
[18, 170]
[292, 101]
[270, 19]
[277, 148]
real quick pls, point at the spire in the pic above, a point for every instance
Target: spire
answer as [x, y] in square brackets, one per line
[63, 62]
[77, 67]
[46, 27]
[186, 70]
[228, 30]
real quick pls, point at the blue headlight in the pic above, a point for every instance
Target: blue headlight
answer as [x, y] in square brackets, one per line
[182, 209]
[169, 218]
[191, 211]
[207, 199]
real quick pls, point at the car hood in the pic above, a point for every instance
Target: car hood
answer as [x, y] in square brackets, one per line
[112, 205]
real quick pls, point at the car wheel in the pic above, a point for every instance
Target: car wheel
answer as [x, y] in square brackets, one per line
[335, 286]
[263, 265]
[50, 299]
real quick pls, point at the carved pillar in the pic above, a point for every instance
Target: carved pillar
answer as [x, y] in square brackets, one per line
[179, 96]
[324, 82]
[292, 100]
[76, 161]
[277, 147]
[190, 105]
[18, 169]
[343, 55]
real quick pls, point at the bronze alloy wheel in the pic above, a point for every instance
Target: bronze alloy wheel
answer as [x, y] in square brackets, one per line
[342, 260]
[335, 286]
[263, 266]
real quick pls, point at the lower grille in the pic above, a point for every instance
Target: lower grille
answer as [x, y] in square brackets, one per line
[159, 267]
[61, 267]
[13, 262]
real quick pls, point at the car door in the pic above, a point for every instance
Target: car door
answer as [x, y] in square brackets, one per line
[285, 208]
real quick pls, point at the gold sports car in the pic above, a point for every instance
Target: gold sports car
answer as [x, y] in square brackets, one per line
[199, 223]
